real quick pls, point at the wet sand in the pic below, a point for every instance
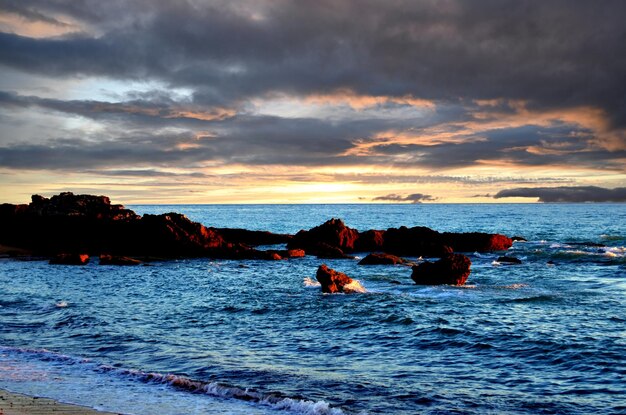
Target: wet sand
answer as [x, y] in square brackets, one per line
[17, 404]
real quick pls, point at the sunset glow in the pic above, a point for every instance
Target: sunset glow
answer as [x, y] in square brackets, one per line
[282, 102]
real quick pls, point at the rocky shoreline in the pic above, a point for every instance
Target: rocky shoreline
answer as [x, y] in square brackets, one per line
[69, 229]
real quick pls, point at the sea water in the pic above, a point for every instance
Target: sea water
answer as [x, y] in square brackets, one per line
[201, 336]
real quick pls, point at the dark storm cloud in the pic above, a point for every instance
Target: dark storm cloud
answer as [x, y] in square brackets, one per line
[528, 145]
[572, 194]
[413, 198]
[551, 54]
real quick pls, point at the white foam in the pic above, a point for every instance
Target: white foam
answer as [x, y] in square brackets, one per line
[88, 383]
[61, 304]
[306, 407]
[354, 287]
[310, 282]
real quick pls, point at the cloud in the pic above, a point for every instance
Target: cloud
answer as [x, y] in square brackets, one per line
[571, 194]
[229, 51]
[417, 92]
[413, 198]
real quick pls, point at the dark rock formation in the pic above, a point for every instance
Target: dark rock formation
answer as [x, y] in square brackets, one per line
[403, 241]
[252, 238]
[90, 224]
[416, 241]
[509, 260]
[370, 241]
[118, 260]
[382, 259]
[477, 242]
[291, 253]
[333, 233]
[336, 282]
[452, 269]
[70, 259]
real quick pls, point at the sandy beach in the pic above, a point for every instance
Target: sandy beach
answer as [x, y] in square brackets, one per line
[17, 404]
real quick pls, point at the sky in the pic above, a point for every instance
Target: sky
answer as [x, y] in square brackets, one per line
[327, 101]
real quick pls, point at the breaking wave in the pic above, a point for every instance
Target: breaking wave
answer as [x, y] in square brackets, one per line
[273, 400]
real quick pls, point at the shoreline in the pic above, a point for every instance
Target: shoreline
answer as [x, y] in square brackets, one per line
[12, 403]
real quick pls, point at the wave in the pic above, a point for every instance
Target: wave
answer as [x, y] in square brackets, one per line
[310, 282]
[354, 287]
[273, 400]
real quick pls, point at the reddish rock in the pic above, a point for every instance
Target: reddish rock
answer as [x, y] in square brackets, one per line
[333, 233]
[332, 281]
[291, 253]
[477, 242]
[118, 260]
[370, 241]
[382, 259]
[70, 259]
[326, 251]
[252, 238]
[416, 241]
[452, 269]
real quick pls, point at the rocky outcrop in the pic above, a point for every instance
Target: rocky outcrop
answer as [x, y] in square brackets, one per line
[452, 269]
[332, 239]
[252, 238]
[370, 241]
[382, 259]
[336, 282]
[477, 242]
[118, 260]
[416, 241]
[91, 224]
[70, 259]
[334, 235]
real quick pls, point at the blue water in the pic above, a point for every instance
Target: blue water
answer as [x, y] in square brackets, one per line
[200, 336]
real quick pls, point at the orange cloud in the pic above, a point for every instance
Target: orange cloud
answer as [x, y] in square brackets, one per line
[360, 102]
[59, 25]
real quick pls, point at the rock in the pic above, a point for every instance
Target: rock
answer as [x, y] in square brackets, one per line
[370, 241]
[452, 269]
[336, 282]
[509, 260]
[118, 260]
[477, 241]
[325, 251]
[70, 259]
[382, 259]
[69, 204]
[291, 253]
[416, 241]
[252, 238]
[333, 233]
[518, 239]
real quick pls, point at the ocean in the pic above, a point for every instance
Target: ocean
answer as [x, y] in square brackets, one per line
[200, 336]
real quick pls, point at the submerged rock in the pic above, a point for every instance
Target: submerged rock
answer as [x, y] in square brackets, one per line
[509, 260]
[382, 259]
[452, 269]
[336, 282]
[70, 259]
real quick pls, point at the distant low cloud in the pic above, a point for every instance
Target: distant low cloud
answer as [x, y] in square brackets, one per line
[413, 198]
[567, 194]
